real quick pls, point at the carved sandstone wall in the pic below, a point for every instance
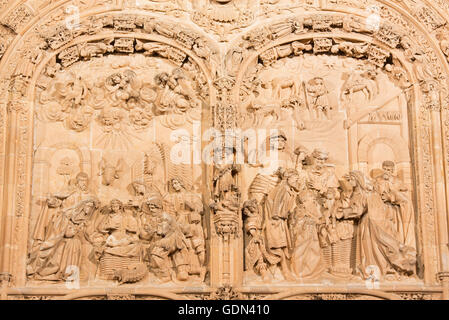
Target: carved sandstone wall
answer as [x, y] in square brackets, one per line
[224, 149]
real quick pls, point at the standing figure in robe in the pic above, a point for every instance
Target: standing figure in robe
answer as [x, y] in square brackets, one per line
[77, 191]
[225, 171]
[268, 177]
[138, 190]
[318, 95]
[257, 258]
[307, 259]
[186, 208]
[322, 185]
[170, 249]
[148, 219]
[198, 242]
[50, 209]
[181, 203]
[342, 232]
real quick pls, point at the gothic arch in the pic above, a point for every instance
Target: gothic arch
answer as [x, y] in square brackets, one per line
[34, 61]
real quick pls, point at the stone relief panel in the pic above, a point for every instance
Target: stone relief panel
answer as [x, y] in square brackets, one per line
[329, 190]
[111, 199]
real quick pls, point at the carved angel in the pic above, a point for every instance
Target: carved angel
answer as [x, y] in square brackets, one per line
[124, 88]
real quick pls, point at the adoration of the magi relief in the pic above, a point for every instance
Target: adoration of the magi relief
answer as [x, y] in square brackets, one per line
[224, 149]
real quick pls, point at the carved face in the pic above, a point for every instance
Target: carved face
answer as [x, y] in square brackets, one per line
[109, 173]
[79, 121]
[139, 189]
[110, 118]
[320, 161]
[250, 208]
[161, 79]
[351, 180]
[319, 81]
[154, 207]
[115, 206]
[294, 181]
[116, 79]
[302, 155]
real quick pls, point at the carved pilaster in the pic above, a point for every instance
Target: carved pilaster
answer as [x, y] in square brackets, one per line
[227, 235]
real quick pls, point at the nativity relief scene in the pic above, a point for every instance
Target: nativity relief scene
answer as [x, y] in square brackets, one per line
[224, 149]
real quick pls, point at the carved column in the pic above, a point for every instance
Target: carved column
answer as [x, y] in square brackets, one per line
[16, 199]
[441, 218]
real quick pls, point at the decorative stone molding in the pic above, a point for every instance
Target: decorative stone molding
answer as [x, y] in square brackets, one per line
[92, 113]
